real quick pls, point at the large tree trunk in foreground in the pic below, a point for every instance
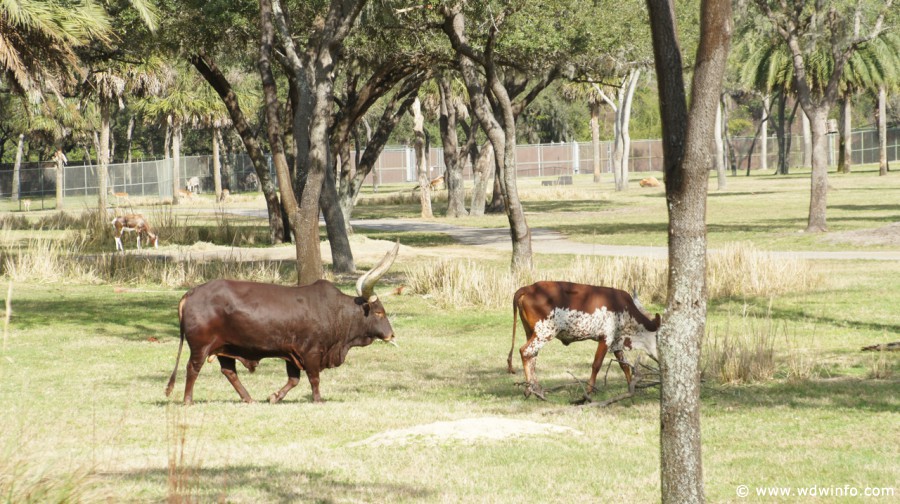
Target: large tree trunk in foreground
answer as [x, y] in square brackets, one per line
[687, 157]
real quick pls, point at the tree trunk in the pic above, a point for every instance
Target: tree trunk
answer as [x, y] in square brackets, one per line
[764, 132]
[500, 130]
[780, 135]
[276, 143]
[595, 140]
[421, 159]
[128, 142]
[483, 169]
[819, 187]
[687, 157]
[456, 192]
[103, 168]
[20, 149]
[807, 140]
[845, 145]
[210, 71]
[720, 149]
[882, 131]
[624, 112]
[336, 228]
[176, 160]
[217, 165]
[496, 205]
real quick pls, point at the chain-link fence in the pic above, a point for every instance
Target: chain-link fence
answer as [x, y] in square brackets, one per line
[153, 179]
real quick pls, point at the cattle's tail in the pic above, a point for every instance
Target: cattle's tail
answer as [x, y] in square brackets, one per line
[171, 384]
[509, 366]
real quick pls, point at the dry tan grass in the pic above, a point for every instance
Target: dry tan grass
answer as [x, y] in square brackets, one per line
[741, 352]
[739, 271]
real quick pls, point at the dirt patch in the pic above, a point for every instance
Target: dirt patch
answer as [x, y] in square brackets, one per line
[467, 430]
[886, 235]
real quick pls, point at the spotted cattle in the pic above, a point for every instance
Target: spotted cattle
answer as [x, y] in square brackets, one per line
[575, 312]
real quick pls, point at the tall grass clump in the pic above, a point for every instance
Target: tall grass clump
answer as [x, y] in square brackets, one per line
[182, 478]
[465, 284]
[738, 271]
[741, 270]
[23, 479]
[742, 352]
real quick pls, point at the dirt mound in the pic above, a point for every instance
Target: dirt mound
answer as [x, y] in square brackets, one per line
[467, 430]
[886, 235]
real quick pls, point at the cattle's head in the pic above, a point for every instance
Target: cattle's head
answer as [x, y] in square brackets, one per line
[377, 324]
[645, 337]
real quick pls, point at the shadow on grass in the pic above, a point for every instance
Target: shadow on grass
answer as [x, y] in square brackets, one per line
[854, 393]
[585, 205]
[793, 314]
[867, 208]
[269, 483]
[118, 311]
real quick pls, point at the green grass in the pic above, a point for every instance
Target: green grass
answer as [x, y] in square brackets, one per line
[83, 369]
[766, 210]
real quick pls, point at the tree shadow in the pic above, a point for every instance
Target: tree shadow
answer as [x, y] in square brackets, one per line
[881, 396]
[866, 208]
[267, 483]
[119, 311]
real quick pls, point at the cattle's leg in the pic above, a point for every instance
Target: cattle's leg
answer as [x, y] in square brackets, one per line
[602, 348]
[230, 372]
[193, 369]
[529, 353]
[626, 367]
[313, 375]
[293, 373]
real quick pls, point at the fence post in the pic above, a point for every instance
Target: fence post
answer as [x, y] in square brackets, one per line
[576, 154]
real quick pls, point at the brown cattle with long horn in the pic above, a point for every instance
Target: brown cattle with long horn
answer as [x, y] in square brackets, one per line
[311, 327]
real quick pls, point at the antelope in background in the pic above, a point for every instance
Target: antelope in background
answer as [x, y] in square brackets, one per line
[133, 223]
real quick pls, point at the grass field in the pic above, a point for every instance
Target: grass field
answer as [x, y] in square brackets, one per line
[84, 365]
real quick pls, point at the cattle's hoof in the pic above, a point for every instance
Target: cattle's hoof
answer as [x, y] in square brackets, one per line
[536, 390]
[248, 401]
[273, 399]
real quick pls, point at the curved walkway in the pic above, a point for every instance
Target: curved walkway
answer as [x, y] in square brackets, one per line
[545, 241]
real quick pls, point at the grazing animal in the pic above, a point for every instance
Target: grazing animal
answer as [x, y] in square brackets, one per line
[437, 183]
[649, 182]
[26, 205]
[577, 312]
[193, 185]
[135, 223]
[185, 194]
[311, 327]
[223, 196]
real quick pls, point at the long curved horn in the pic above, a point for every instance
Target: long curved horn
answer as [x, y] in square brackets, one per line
[365, 286]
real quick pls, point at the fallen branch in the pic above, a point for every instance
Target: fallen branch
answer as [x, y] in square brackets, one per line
[884, 347]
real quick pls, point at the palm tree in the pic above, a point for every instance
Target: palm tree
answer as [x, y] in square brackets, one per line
[38, 41]
[188, 101]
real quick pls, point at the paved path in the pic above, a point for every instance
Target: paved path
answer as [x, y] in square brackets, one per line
[545, 241]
